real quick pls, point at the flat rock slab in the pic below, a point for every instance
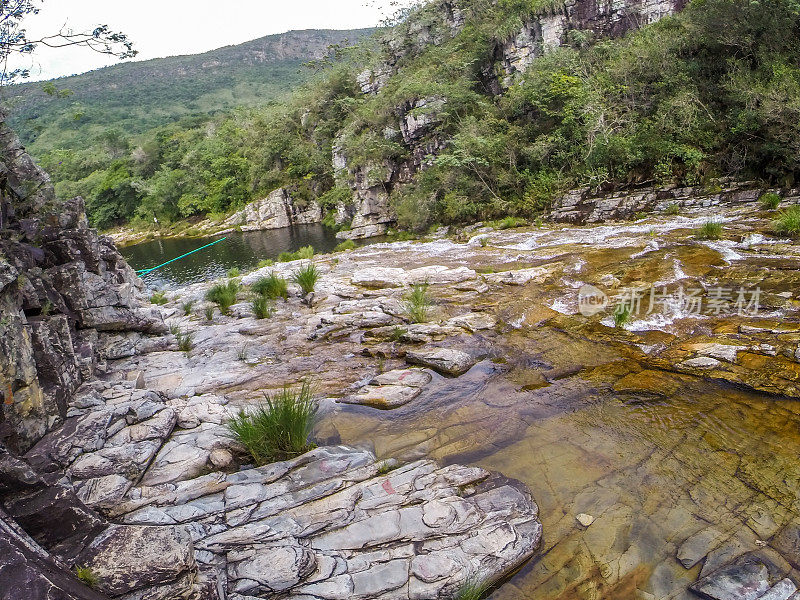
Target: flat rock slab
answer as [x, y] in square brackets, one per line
[383, 396]
[783, 590]
[747, 581]
[390, 277]
[443, 360]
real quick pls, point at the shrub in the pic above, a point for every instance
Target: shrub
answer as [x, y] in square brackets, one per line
[306, 277]
[279, 429]
[508, 223]
[187, 307]
[234, 272]
[770, 200]
[272, 286]
[262, 307]
[159, 298]
[711, 230]
[87, 576]
[788, 221]
[345, 245]
[417, 303]
[185, 340]
[622, 315]
[223, 295]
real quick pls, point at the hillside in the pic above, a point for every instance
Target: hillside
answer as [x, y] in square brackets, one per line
[133, 97]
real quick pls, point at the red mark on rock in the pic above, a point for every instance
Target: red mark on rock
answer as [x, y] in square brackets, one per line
[387, 485]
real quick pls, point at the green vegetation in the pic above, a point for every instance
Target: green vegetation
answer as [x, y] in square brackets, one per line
[417, 303]
[187, 307]
[306, 277]
[507, 223]
[769, 201]
[159, 298]
[397, 334]
[268, 262]
[345, 245]
[223, 295]
[278, 430]
[711, 230]
[472, 590]
[789, 221]
[234, 272]
[387, 467]
[185, 340]
[87, 576]
[304, 253]
[272, 286]
[262, 307]
[673, 209]
[241, 353]
[209, 313]
[622, 315]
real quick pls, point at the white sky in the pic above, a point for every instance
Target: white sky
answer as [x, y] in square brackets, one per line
[171, 27]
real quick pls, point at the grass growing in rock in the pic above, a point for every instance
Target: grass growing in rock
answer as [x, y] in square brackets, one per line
[223, 295]
[159, 298]
[397, 334]
[769, 201]
[508, 223]
[345, 245]
[262, 307]
[185, 340]
[209, 313]
[87, 576]
[279, 429]
[268, 262]
[306, 277]
[306, 252]
[673, 210]
[272, 286]
[234, 272]
[622, 315]
[417, 303]
[187, 307]
[788, 221]
[472, 590]
[711, 230]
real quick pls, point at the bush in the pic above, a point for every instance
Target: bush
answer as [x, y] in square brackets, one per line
[508, 223]
[417, 303]
[265, 263]
[262, 307]
[306, 277]
[345, 245]
[159, 298]
[788, 221]
[304, 253]
[279, 429]
[223, 295]
[272, 286]
[711, 230]
[769, 201]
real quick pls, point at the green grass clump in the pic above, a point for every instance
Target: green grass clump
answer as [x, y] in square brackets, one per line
[279, 429]
[345, 245]
[397, 334]
[788, 221]
[769, 201]
[304, 253]
[234, 272]
[418, 303]
[508, 223]
[673, 209]
[265, 263]
[472, 590]
[223, 295]
[209, 313]
[185, 340]
[272, 286]
[306, 277]
[387, 467]
[711, 230]
[187, 307]
[87, 576]
[159, 298]
[622, 315]
[262, 307]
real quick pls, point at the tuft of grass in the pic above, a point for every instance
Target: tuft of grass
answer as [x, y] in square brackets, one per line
[187, 307]
[711, 230]
[673, 209]
[397, 334]
[209, 313]
[483, 241]
[185, 340]
[265, 263]
[472, 590]
[306, 252]
[272, 286]
[234, 272]
[508, 223]
[788, 221]
[418, 303]
[769, 201]
[241, 353]
[622, 315]
[279, 429]
[223, 295]
[345, 245]
[159, 298]
[262, 307]
[87, 576]
[174, 329]
[306, 277]
[387, 467]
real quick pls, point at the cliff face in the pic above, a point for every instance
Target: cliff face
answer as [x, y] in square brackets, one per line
[61, 284]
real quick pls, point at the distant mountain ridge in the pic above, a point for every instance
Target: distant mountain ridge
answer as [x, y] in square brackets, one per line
[136, 96]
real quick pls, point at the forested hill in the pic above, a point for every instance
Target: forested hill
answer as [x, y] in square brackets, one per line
[133, 97]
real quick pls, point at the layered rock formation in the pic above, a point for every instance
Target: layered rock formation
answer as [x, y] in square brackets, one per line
[273, 212]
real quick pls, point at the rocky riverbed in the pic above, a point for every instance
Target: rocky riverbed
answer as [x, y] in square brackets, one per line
[673, 436]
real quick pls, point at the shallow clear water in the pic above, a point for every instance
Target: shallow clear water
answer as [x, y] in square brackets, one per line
[241, 250]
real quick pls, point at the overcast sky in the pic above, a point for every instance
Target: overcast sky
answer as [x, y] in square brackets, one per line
[170, 27]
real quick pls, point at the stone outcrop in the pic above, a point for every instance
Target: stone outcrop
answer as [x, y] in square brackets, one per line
[60, 284]
[275, 211]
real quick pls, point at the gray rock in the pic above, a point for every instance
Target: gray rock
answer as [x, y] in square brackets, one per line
[783, 590]
[443, 360]
[746, 581]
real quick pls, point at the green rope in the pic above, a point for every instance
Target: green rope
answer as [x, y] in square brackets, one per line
[146, 271]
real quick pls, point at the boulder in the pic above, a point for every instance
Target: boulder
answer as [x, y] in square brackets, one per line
[443, 360]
